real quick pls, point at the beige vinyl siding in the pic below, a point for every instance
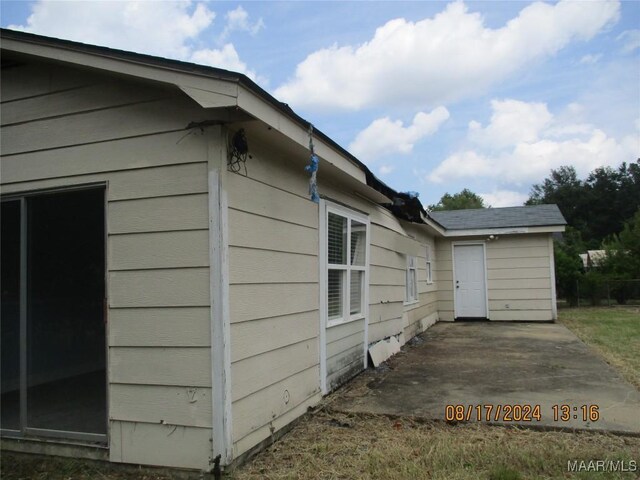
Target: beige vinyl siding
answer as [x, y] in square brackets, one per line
[518, 275]
[516, 266]
[418, 316]
[345, 352]
[64, 127]
[444, 273]
[274, 287]
[273, 292]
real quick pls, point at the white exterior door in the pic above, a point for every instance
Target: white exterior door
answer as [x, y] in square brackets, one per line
[470, 290]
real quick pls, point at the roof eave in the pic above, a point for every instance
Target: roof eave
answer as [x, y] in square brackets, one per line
[474, 232]
[198, 82]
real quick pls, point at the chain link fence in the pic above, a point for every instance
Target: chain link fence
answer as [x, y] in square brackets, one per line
[597, 291]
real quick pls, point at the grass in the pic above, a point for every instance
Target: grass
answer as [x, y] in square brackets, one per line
[613, 332]
[331, 445]
[15, 466]
[339, 446]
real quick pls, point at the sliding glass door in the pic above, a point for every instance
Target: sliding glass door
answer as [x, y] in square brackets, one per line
[53, 329]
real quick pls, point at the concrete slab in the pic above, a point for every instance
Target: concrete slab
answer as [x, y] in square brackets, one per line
[483, 365]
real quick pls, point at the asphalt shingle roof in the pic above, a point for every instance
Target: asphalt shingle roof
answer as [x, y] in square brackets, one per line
[529, 216]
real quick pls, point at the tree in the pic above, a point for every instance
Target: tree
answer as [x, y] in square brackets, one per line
[613, 197]
[565, 190]
[568, 264]
[623, 258]
[459, 201]
[597, 206]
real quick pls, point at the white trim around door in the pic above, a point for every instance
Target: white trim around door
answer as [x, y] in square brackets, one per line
[480, 306]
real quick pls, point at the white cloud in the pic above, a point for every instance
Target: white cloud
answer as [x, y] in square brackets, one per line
[440, 59]
[385, 136]
[386, 169]
[590, 59]
[631, 39]
[512, 122]
[504, 198]
[545, 142]
[167, 28]
[227, 57]
[238, 20]
[156, 28]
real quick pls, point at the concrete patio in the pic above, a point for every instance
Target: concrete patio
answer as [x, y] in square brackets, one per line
[488, 364]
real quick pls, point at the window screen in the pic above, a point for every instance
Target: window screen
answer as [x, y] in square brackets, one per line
[337, 237]
[346, 266]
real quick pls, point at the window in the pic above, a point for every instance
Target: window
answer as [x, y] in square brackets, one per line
[429, 273]
[411, 294]
[346, 265]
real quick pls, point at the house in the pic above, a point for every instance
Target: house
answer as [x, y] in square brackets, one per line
[594, 258]
[506, 254]
[584, 258]
[170, 291]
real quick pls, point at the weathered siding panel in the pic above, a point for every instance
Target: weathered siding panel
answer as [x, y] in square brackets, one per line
[182, 366]
[274, 293]
[260, 336]
[80, 163]
[252, 231]
[40, 79]
[157, 444]
[255, 411]
[248, 266]
[99, 126]
[418, 316]
[176, 287]
[132, 252]
[254, 301]
[250, 375]
[345, 351]
[160, 327]
[162, 404]
[77, 100]
[160, 214]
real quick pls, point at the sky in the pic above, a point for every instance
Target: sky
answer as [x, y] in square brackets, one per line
[433, 97]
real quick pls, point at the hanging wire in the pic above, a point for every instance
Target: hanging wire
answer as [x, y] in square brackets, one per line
[312, 168]
[238, 153]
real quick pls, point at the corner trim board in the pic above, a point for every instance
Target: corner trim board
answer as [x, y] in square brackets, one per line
[219, 292]
[552, 273]
[322, 259]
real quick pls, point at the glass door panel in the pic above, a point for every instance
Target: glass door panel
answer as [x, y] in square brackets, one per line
[10, 315]
[66, 354]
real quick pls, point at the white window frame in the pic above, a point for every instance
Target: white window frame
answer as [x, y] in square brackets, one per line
[411, 297]
[429, 263]
[326, 266]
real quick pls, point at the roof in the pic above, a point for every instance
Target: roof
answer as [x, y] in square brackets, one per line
[596, 257]
[404, 206]
[218, 74]
[509, 217]
[584, 257]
